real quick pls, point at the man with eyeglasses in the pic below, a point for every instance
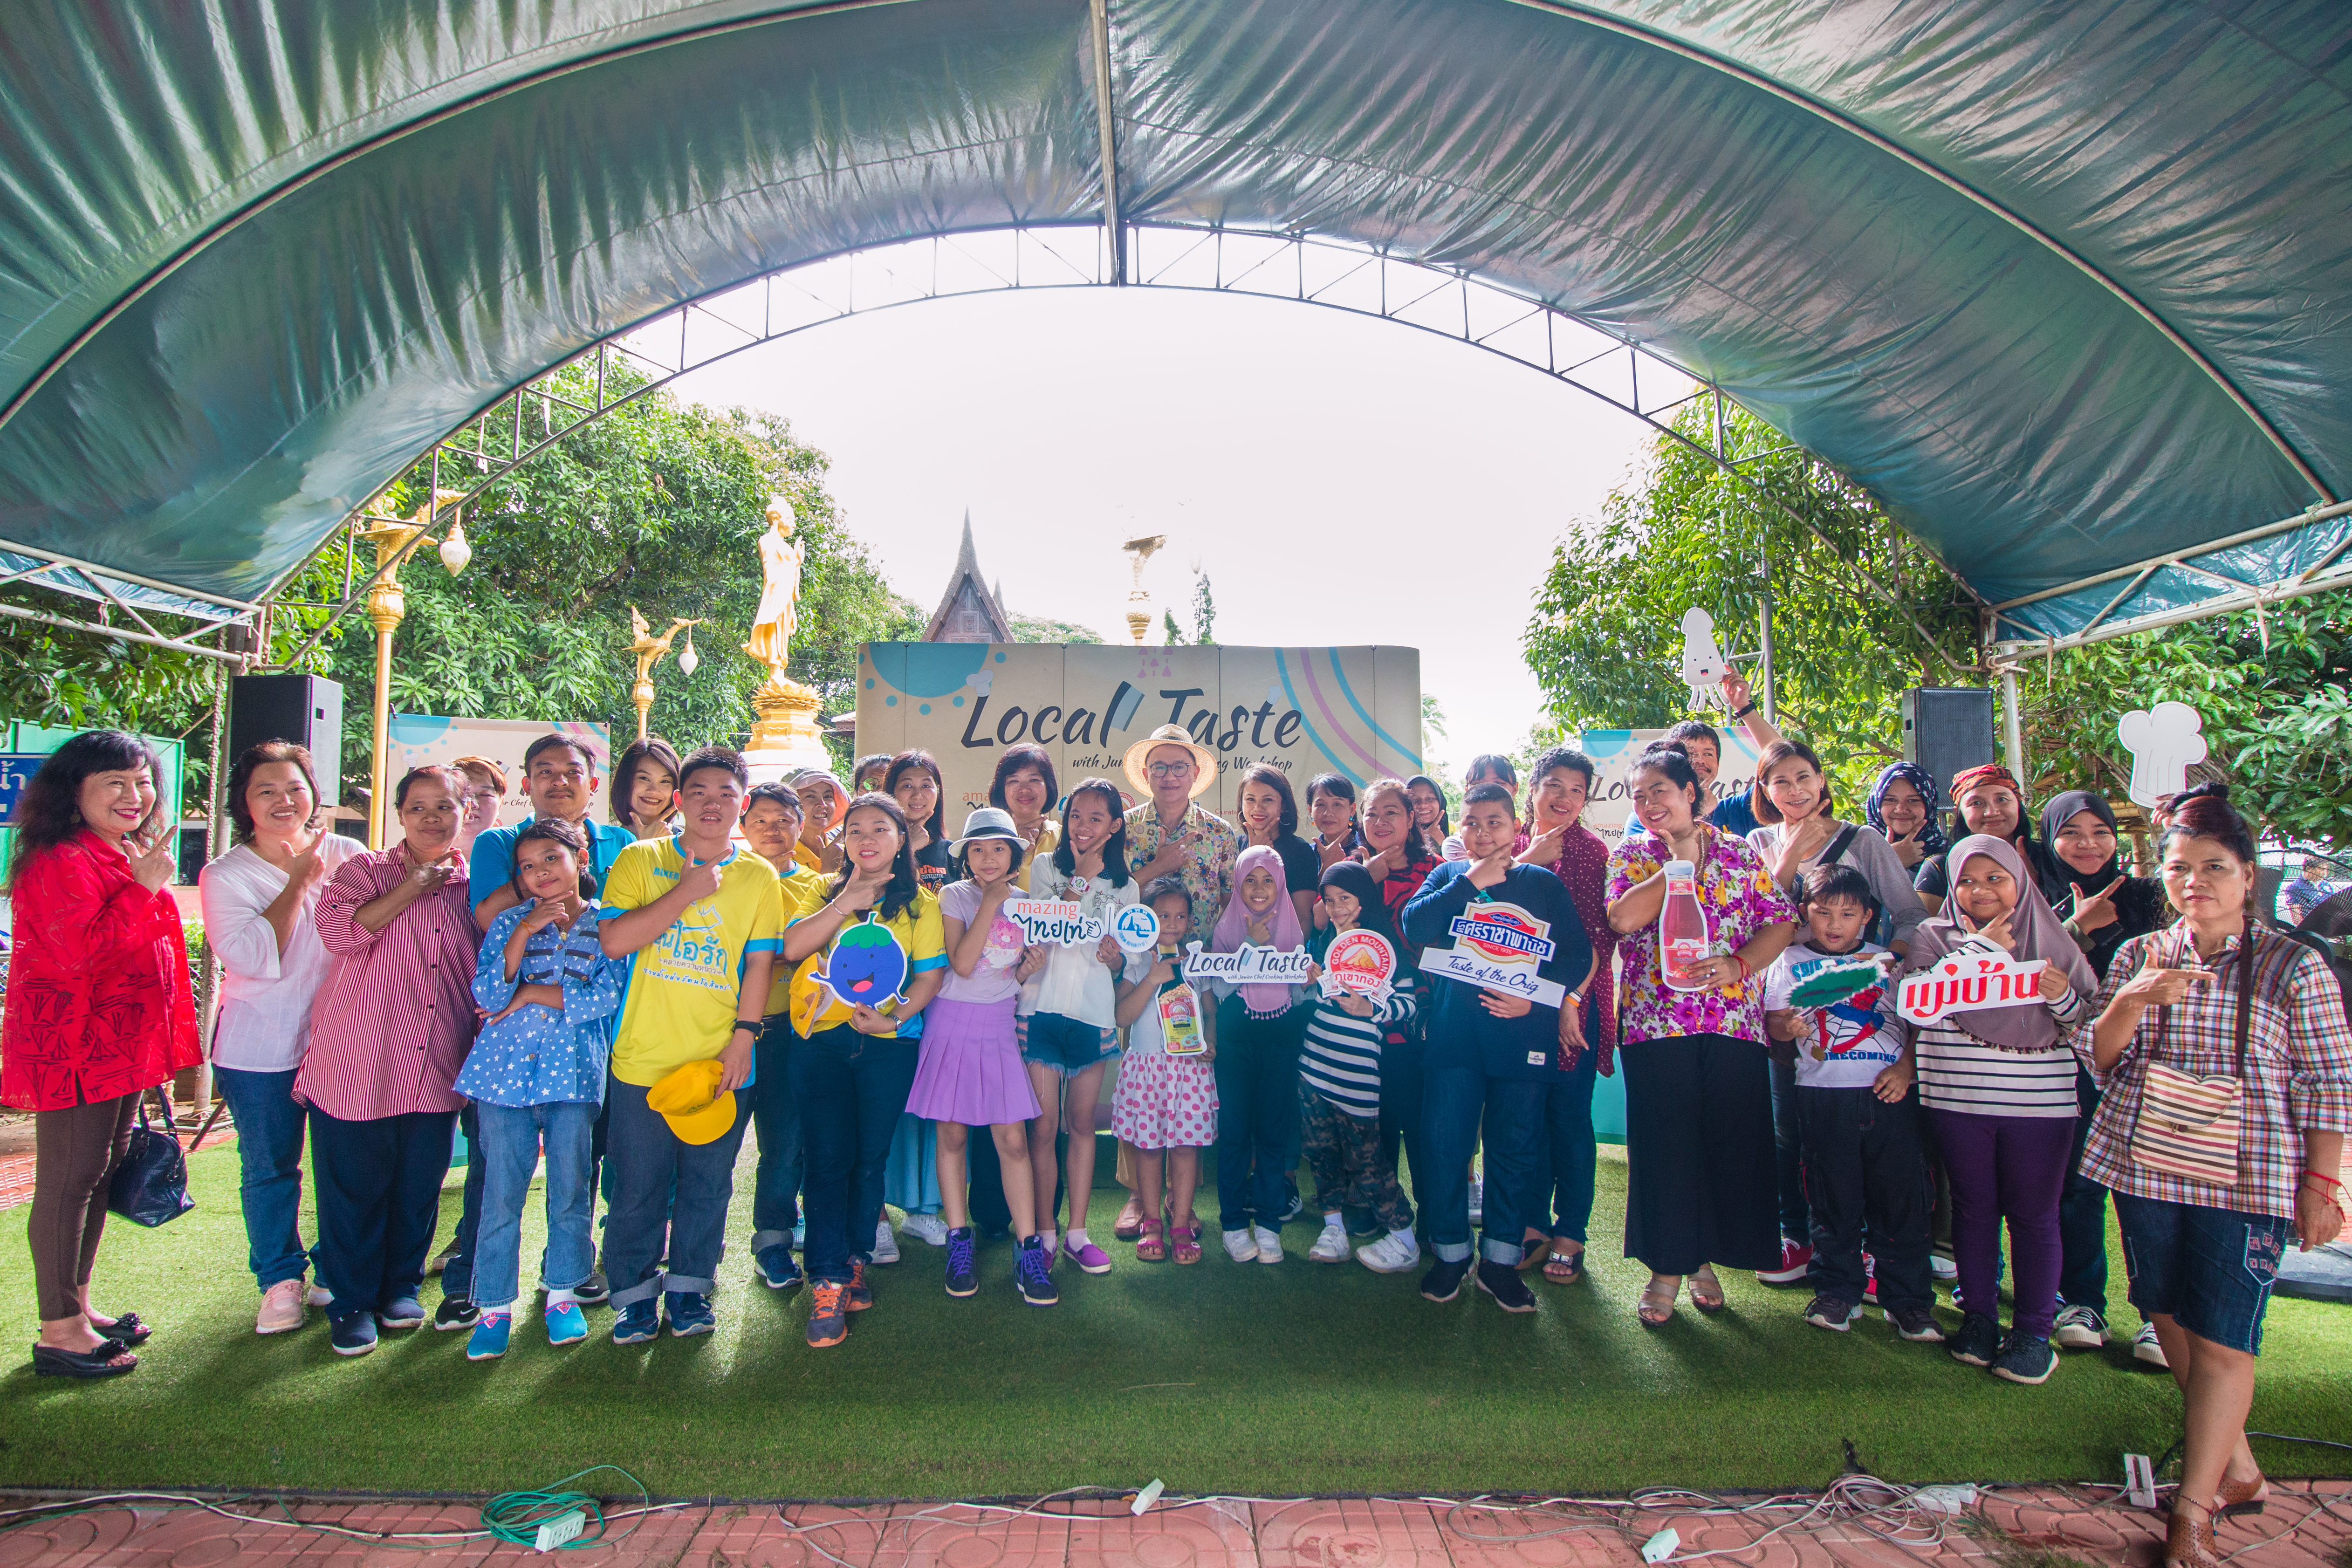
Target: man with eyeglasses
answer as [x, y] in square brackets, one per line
[1171, 835]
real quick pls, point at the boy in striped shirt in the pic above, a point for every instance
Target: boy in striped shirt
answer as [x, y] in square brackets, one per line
[1340, 1088]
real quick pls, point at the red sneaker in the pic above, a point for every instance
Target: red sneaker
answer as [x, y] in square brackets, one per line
[1796, 1262]
[1870, 1278]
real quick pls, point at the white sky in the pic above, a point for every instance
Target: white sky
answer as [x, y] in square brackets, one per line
[1341, 480]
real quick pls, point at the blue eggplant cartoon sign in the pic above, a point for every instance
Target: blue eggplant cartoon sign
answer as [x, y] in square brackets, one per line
[866, 966]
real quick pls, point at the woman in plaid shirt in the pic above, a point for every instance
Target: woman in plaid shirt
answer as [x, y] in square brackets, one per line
[2202, 1255]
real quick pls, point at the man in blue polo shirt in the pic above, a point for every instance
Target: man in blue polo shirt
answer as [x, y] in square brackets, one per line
[560, 780]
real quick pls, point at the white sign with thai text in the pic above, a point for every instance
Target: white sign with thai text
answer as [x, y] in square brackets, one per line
[1967, 982]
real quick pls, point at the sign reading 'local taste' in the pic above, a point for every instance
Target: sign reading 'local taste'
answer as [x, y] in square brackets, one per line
[1248, 966]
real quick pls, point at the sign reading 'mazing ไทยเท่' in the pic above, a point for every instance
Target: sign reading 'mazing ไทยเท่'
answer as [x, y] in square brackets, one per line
[1355, 712]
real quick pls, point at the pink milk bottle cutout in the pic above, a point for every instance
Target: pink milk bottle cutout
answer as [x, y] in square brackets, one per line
[1683, 936]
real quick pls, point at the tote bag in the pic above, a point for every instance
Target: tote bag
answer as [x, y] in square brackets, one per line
[2188, 1127]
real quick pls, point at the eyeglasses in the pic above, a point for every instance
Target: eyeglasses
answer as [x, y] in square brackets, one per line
[1169, 769]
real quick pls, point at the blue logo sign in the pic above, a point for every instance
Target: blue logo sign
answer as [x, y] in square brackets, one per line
[1137, 929]
[17, 771]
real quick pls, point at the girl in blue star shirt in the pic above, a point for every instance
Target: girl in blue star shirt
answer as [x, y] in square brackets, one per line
[548, 995]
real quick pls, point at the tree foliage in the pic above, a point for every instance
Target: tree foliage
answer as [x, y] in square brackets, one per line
[1606, 639]
[1045, 629]
[1205, 611]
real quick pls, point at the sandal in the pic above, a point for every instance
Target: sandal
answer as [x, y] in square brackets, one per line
[1151, 1245]
[126, 1330]
[1705, 1290]
[2189, 1542]
[1186, 1242]
[1656, 1307]
[109, 1360]
[2238, 1498]
[1533, 1250]
[1565, 1267]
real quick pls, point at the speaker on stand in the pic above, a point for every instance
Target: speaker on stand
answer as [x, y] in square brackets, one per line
[1948, 730]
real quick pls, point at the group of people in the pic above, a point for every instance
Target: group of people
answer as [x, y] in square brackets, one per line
[823, 966]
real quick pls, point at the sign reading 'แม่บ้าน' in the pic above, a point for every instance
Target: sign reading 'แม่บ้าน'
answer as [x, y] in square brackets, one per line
[1967, 982]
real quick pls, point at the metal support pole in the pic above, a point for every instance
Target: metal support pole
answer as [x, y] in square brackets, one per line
[2013, 725]
[1769, 697]
[1106, 126]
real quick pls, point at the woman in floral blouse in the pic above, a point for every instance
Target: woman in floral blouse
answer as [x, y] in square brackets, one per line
[1698, 1104]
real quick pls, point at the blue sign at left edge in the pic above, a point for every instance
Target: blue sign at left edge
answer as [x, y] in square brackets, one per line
[17, 771]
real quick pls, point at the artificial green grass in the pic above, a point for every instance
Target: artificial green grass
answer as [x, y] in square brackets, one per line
[1221, 1377]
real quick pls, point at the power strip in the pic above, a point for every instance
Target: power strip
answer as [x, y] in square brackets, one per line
[563, 1528]
[2140, 1480]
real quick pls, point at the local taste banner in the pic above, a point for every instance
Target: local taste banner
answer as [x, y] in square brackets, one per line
[417, 739]
[1355, 712]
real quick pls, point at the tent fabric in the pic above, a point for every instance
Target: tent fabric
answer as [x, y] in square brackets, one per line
[258, 257]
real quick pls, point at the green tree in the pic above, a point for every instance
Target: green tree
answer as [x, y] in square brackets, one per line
[1205, 611]
[1044, 629]
[1606, 640]
[1174, 634]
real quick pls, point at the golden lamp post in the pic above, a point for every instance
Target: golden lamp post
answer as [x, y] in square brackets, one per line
[649, 649]
[1139, 599]
[385, 604]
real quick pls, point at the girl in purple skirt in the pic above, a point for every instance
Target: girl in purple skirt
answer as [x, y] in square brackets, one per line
[970, 1073]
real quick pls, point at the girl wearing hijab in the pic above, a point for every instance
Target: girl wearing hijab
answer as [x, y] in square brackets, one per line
[1999, 1087]
[1903, 808]
[2106, 908]
[1255, 1029]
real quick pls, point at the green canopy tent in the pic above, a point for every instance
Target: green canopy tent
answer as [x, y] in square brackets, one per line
[2066, 288]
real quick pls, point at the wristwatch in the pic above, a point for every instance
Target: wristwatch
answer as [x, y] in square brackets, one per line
[754, 1025]
[1743, 713]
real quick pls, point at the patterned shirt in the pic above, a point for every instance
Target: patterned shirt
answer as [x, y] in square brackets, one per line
[1736, 889]
[396, 1016]
[1207, 873]
[1584, 867]
[2298, 1067]
[538, 1055]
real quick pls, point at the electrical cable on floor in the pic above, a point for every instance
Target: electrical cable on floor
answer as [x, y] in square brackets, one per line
[574, 1519]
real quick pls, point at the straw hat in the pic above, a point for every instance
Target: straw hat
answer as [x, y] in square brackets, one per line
[1204, 761]
[689, 1101]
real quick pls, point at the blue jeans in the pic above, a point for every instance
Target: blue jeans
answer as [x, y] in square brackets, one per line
[851, 1091]
[508, 1152]
[1788, 1155]
[269, 1162]
[776, 1123]
[2209, 1269]
[2082, 1215]
[1258, 1111]
[1575, 1153]
[379, 1185]
[457, 1274]
[1454, 1100]
[649, 1163]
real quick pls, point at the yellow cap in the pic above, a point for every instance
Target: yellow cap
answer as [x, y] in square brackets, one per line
[689, 1100]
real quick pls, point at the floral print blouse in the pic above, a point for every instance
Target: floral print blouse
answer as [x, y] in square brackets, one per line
[1737, 890]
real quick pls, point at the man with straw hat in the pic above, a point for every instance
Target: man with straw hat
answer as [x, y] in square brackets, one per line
[1171, 835]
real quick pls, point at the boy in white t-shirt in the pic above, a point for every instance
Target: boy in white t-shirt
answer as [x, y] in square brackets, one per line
[1865, 1157]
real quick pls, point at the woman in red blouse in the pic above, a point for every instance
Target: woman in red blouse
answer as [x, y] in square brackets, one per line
[98, 1012]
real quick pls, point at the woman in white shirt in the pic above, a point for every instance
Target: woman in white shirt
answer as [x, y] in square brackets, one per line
[259, 900]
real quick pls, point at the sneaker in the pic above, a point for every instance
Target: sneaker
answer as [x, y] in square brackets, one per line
[281, 1308]
[1033, 1272]
[440, 1260]
[1477, 1200]
[1502, 1283]
[1269, 1244]
[1241, 1247]
[636, 1322]
[592, 1291]
[1331, 1247]
[2078, 1328]
[928, 1228]
[321, 1296]
[1826, 1312]
[886, 1243]
[353, 1335]
[1869, 1280]
[1941, 1267]
[1796, 1262]
[857, 1295]
[2147, 1347]
[1391, 1254]
[2025, 1358]
[1917, 1324]
[406, 1312]
[454, 1313]
[1978, 1341]
[689, 1313]
[1443, 1281]
[566, 1323]
[1363, 1224]
[1090, 1258]
[776, 1269]
[490, 1335]
[1293, 1206]
[828, 1321]
[963, 1276]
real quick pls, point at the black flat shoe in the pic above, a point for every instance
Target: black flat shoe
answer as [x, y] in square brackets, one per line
[127, 1329]
[109, 1360]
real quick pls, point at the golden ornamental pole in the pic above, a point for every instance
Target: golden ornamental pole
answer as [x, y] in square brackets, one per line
[387, 606]
[1139, 613]
[649, 649]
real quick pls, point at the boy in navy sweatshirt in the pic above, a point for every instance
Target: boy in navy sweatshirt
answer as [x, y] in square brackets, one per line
[1508, 960]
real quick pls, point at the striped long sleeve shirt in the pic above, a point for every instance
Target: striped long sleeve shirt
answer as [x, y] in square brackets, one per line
[1341, 1061]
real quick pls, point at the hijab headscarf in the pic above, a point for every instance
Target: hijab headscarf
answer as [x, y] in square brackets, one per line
[1349, 876]
[2139, 902]
[2028, 1026]
[1932, 842]
[1282, 923]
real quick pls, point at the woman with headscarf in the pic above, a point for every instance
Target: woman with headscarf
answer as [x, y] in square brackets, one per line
[1903, 808]
[1992, 802]
[2106, 907]
[1999, 1087]
[1255, 1027]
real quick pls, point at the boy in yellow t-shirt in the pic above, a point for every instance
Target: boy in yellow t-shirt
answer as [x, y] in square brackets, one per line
[704, 921]
[774, 818]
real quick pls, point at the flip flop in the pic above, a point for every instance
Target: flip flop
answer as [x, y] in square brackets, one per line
[1533, 1252]
[1564, 1267]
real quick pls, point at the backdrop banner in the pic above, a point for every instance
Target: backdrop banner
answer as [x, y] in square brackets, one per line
[1355, 712]
[417, 739]
[1613, 751]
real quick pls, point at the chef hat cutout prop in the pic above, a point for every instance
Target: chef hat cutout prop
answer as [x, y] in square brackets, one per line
[1703, 665]
[2165, 741]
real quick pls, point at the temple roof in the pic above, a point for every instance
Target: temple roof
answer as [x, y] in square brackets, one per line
[969, 612]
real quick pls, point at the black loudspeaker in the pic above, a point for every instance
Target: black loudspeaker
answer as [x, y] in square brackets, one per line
[1947, 730]
[304, 710]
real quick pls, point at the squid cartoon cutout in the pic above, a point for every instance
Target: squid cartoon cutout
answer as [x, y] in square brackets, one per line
[2164, 742]
[1703, 661]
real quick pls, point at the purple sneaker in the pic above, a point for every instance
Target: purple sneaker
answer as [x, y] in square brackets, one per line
[963, 1277]
[1090, 1258]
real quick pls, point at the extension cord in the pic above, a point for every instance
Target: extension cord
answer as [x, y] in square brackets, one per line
[563, 1527]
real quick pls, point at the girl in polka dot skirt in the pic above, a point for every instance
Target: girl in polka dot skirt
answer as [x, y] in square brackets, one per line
[1165, 1107]
[548, 995]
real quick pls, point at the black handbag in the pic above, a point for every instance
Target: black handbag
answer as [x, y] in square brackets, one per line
[151, 1185]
